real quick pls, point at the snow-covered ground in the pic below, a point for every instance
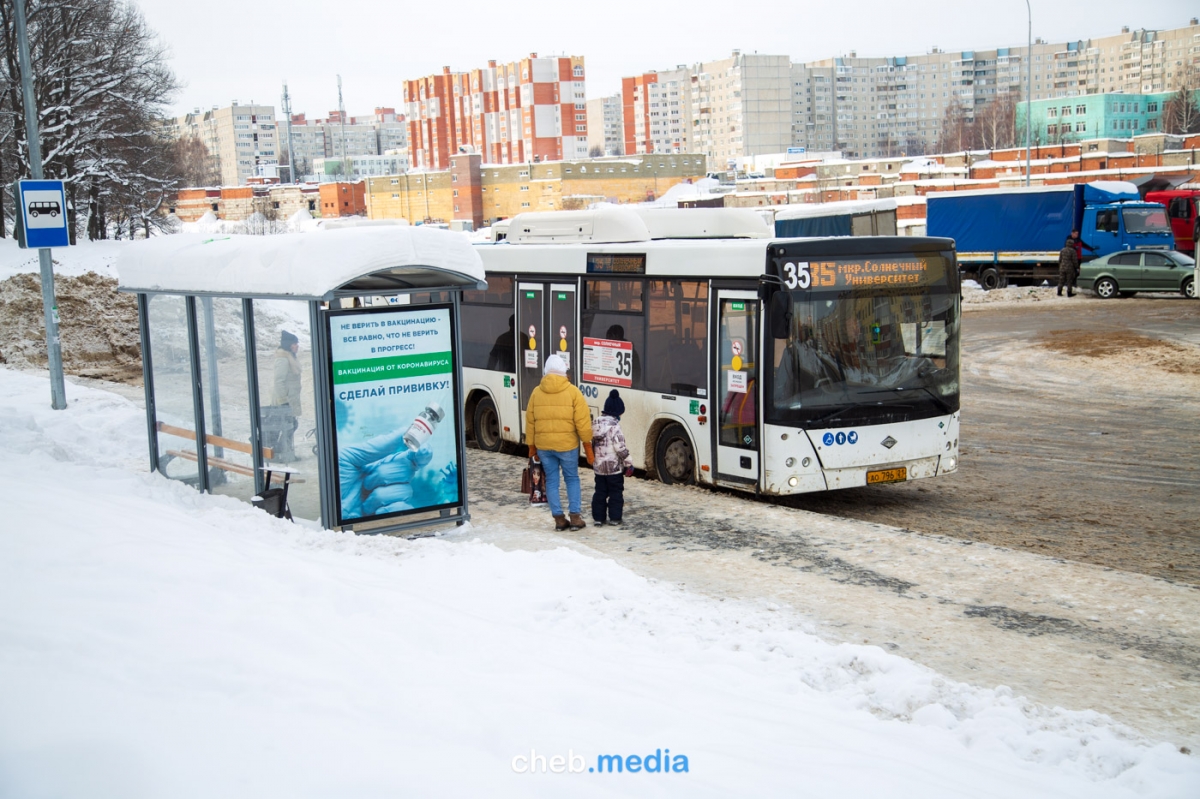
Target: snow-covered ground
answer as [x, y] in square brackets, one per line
[84, 257]
[156, 642]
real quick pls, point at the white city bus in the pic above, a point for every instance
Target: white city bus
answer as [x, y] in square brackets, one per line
[777, 366]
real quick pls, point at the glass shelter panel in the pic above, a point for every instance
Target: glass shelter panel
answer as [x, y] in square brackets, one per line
[226, 395]
[285, 384]
[174, 415]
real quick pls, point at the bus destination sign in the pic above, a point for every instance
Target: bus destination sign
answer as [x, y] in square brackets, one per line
[884, 272]
[614, 263]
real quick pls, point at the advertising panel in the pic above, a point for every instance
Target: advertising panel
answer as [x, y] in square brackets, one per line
[395, 416]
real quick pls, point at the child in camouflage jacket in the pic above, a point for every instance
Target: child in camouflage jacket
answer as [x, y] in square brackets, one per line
[612, 462]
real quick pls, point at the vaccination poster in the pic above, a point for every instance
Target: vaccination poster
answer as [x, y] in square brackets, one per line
[395, 418]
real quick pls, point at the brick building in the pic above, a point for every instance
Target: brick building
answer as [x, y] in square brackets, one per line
[483, 193]
[531, 110]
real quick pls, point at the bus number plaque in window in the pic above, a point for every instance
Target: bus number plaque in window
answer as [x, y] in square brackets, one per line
[608, 361]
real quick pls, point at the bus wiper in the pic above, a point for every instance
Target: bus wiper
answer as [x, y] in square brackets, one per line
[829, 417]
[942, 405]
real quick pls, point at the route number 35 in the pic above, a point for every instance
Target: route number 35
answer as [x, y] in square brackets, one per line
[797, 275]
[624, 364]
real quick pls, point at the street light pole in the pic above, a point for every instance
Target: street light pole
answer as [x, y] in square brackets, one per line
[1028, 94]
[58, 392]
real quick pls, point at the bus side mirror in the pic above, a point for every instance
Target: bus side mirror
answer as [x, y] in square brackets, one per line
[780, 308]
[767, 285]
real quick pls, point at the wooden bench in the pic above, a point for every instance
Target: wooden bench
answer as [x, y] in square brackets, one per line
[213, 460]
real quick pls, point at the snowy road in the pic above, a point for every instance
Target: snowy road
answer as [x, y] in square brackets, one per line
[1061, 633]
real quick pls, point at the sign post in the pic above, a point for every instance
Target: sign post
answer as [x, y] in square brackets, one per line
[45, 221]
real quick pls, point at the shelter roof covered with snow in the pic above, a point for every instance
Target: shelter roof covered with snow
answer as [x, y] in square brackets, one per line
[302, 266]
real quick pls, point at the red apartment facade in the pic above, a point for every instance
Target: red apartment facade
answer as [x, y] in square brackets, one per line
[525, 111]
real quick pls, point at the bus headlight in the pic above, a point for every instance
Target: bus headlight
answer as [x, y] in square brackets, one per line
[806, 462]
[949, 463]
[790, 462]
[793, 482]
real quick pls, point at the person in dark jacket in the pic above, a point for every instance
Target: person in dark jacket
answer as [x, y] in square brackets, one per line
[611, 463]
[1068, 267]
[1079, 245]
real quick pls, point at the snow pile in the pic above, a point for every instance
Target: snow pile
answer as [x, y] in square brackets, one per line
[175, 644]
[973, 294]
[98, 326]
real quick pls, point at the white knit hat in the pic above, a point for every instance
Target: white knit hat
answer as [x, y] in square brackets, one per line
[555, 365]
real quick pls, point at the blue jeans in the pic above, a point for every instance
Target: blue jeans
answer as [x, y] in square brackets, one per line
[569, 462]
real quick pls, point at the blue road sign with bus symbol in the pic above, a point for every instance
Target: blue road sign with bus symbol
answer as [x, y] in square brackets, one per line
[44, 213]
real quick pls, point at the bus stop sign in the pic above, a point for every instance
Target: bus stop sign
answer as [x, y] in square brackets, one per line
[42, 221]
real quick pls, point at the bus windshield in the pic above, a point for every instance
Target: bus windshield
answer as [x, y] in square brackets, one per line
[863, 353]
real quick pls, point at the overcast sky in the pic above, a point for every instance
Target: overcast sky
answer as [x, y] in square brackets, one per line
[225, 50]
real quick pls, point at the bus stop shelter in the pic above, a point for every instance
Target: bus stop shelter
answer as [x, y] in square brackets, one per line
[329, 360]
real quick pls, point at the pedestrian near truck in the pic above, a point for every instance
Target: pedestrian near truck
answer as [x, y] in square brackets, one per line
[556, 422]
[612, 463]
[1068, 267]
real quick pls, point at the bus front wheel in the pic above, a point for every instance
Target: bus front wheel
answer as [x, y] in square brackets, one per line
[674, 458]
[487, 426]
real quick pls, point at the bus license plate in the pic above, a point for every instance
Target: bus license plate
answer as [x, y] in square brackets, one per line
[888, 476]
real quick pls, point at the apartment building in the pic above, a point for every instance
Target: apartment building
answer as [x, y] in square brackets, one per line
[606, 131]
[741, 106]
[876, 107]
[530, 110]
[656, 112]
[372, 134]
[241, 139]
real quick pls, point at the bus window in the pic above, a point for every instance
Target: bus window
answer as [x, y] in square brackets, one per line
[614, 295]
[489, 327]
[678, 328]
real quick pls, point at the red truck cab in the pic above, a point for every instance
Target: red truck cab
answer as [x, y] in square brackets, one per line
[1182, 211]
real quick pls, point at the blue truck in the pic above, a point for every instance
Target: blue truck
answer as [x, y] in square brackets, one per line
[1014, 235]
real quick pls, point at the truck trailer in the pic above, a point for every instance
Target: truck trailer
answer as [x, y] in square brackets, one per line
[1014, 235]
[844, 218]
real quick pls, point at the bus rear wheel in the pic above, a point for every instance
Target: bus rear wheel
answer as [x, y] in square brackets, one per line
[487, 426]
[674, 458]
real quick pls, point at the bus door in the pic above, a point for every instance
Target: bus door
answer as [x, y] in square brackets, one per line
[737, 391]
[546, 321]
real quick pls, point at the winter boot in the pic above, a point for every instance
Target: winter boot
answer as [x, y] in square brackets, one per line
[577, 522]
[1070, 293]
[560, 523]
[1060, 292]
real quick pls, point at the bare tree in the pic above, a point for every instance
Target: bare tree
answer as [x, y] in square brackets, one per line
[101, 84]
[996, 123]
[1181, 113]
[595, 151]
[957, 132]
[194, 163]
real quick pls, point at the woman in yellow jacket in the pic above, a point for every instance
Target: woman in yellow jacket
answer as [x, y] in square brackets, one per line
[556, 421]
